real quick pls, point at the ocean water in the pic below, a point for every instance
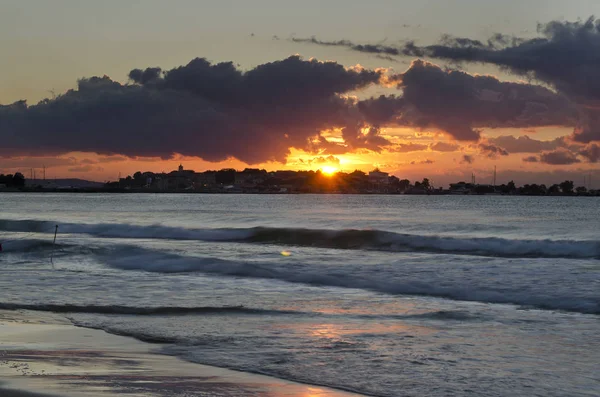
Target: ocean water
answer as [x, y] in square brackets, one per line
[382, 295]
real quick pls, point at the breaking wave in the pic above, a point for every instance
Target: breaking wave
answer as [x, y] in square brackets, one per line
[390, 241]
[218, 310]
[337, 239]
[395, 281]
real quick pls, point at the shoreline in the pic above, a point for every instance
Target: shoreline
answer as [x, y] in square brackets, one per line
[45, 355]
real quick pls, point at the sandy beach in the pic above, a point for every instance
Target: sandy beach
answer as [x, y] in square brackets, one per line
[43, 354]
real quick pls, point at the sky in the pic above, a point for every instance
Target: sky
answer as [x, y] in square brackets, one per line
[290, 94]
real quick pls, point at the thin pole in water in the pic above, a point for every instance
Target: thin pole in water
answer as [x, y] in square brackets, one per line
[53, 244]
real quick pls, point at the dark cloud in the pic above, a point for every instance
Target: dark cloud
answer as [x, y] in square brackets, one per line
[565, 55]
[525, 144]
[390, 59]
[366, 48]
[213, 111]
[492, 151]
[560, 156]
[467, 159]
[411, 49]
[460, 104]
[216, 111]
[591, 152]
[381, 110]
[558, 151]
[145, 76]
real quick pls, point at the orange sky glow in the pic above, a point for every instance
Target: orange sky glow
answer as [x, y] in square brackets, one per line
[441, 167]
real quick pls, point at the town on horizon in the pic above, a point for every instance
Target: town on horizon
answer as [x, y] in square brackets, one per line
[254, 180]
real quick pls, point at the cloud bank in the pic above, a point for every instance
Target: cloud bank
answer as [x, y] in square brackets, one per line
[217, 112]
[212, 111]
[565, 56]
[461, 104]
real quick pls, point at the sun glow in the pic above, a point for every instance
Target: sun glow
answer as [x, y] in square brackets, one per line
[329, 170]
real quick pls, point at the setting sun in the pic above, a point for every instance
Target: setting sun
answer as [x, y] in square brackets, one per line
[329, 170]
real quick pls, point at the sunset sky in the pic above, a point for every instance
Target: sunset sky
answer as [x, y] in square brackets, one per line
[467, 85]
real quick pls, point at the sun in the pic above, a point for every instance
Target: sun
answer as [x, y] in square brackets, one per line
[329, 170]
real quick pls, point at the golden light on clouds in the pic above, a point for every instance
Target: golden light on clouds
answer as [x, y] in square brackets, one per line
[411, 155]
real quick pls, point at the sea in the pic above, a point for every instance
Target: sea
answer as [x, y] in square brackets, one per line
[384, 295]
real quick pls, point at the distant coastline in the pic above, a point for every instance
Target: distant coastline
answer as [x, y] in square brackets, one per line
[260, 181]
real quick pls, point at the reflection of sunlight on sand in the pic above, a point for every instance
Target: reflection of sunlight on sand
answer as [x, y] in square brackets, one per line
[315, 392]
[37, 354]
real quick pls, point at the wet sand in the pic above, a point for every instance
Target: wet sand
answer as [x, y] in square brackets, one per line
[43, 354]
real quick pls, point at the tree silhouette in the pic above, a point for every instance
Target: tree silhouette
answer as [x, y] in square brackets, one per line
[554, 188]
[404, 184]
[18, 180]
[567, 187]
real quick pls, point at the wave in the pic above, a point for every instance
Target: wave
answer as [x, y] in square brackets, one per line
[119, 230]
[219, 310]
[396, 280]
[138, 311]
[390, 241]
[337, 239]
